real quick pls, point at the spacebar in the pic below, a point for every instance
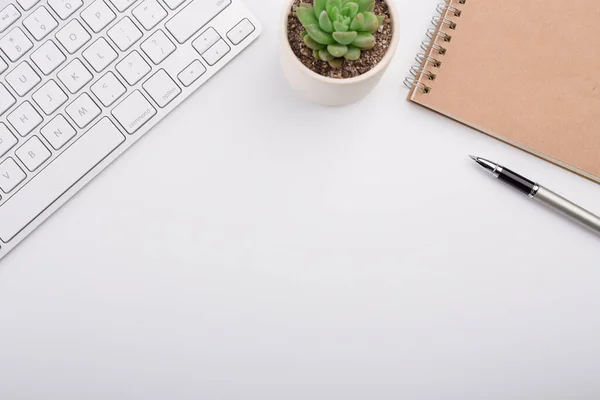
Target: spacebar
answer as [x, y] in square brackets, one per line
[60, 175]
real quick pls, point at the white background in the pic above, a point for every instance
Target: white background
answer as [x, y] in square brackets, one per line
[256, 246]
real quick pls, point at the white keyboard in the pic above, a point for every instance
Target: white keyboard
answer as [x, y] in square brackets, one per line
[82, 80]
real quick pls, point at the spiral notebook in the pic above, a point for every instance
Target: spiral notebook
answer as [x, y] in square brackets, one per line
[523, 71]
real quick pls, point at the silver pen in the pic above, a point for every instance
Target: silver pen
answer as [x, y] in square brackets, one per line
[541, 194]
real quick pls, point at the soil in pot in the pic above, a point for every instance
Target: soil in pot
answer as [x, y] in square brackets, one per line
[349, 69]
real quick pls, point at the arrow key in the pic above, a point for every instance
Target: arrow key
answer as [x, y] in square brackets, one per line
[216, 52]
[206, 40]
[191, 73]
[108, 89]
[240, 32]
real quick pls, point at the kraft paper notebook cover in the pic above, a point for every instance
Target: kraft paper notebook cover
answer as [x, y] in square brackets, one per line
[524, 71]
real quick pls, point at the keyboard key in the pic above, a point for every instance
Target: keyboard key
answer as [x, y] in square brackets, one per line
[23, 78]
[15, 44]
[24, 118]
[73, 36]
[83, 110]
[3, 66]
[124, 34]
[100, 54]
[33, 153]
[7, 139]
[108, 89]
[40, 23]
[122, 5]
[64, 8]
[216, 52]
[161, 88]
[48, 57]
[74, 76]
[58, 132]
[206, 40]
[61, 174]
[173, 4]
[27, 4]
[10, 175]
[193, 17]
[240, 32]
[191, 73]
[133, 112]
[6, 99]
[133, 68]
[49, 97]
[149, 13]
[8, 16]
[98, 15]
[158, 47]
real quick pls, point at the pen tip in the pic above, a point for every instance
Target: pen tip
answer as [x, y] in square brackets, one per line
[473, 158]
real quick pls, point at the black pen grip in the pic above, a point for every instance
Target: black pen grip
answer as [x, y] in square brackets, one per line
[517, 181]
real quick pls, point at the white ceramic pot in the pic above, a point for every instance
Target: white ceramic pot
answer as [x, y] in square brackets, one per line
[331, 91]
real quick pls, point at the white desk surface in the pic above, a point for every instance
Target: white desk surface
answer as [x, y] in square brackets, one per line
[256, 246]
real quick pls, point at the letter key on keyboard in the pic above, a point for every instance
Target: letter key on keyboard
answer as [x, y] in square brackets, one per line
[10, 175]
[48, 57]
[49, 97]
[100, 55]
[23, 78]
[24, 118]
[74, 76]
[73, 36]
[33, 153]
[58, 132]
[83, 110]
[98, 15]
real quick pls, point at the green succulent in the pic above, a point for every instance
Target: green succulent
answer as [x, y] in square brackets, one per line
[339, 29]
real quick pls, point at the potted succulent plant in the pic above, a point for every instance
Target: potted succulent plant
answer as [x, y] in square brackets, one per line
[335, 52]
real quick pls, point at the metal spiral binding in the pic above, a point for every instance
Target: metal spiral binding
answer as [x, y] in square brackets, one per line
[422, 58]
[443, 7]
[423, 72]
[432, 33]
[411, 82]
[427, 45]
[418, 71]
[438, 21]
